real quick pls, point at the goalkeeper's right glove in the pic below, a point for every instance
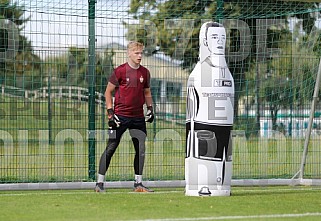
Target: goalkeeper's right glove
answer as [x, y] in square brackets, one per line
[149, 115]
[113, 120]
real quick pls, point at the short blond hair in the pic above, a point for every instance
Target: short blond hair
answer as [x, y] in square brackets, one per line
[135, 45]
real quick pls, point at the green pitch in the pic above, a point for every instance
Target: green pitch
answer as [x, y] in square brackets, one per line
[246, 203]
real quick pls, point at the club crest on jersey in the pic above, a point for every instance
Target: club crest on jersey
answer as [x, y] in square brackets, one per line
[141, 79]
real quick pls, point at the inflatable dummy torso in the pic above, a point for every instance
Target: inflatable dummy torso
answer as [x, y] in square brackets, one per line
[210, 85]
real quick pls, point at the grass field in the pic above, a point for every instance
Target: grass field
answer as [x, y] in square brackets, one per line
[246, 203]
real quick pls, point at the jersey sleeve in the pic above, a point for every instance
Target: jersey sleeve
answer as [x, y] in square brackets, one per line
[114, 78]
[147, 83]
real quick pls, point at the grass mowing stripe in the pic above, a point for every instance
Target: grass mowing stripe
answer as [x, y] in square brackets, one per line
[246, 203]
[237, 217]
[83, 193]
[114, 191]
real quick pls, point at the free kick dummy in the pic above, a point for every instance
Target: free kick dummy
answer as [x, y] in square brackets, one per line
[209, 118]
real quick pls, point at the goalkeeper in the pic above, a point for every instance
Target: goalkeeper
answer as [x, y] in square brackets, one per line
[130, 83]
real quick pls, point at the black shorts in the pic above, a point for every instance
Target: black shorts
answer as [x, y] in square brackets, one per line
[137, 124]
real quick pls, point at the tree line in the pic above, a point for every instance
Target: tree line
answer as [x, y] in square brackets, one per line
[278, 79]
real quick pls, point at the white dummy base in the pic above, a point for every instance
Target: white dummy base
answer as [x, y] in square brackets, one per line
[207, 178]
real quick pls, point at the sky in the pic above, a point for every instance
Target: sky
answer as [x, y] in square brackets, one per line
[56, 25]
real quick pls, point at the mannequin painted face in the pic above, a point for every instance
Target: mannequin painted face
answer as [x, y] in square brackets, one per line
[215, 40]
[212, 40]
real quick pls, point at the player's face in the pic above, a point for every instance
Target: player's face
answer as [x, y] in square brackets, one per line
[216, 39]
[135, 55]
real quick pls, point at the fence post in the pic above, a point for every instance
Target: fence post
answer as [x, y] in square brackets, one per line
[220, 10]
[49, 110]
[91, 89]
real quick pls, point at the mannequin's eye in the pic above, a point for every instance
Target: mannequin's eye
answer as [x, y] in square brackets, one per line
[215, 36]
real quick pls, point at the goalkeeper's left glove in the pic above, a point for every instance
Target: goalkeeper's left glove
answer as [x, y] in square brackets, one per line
[149, 115]
[113, 120]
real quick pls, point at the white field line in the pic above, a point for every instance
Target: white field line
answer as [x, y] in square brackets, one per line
[272, 216]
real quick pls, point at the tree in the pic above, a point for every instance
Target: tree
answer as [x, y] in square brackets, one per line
[23, 68]
[278, 94]
[71, 68]
[77, 66]
[298, 62]
[158, 12]
[105, 67]
[248, 11]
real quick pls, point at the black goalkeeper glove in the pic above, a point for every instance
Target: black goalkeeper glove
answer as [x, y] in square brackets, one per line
[149, 115]
[113, 120]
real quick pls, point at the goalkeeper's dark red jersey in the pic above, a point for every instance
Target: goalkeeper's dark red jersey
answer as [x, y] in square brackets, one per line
[129, 93]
